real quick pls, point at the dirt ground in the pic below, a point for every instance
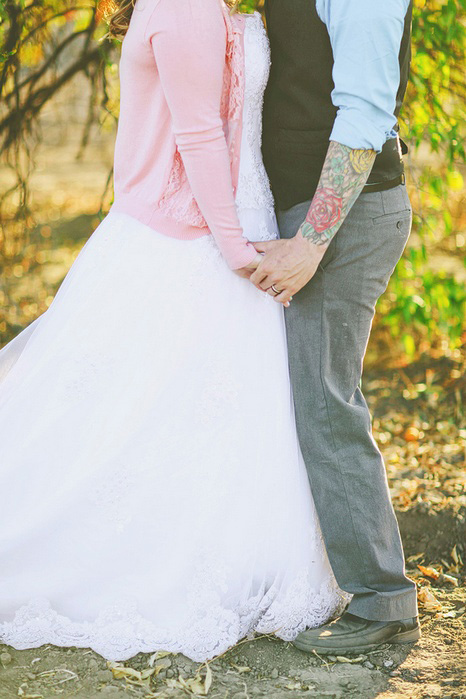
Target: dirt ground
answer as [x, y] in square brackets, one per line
[435, 667]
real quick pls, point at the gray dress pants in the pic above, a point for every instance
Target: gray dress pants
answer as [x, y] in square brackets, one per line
[328, 327]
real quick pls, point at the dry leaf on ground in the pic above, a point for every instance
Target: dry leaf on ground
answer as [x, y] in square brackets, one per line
[428, 600]
[197, 685]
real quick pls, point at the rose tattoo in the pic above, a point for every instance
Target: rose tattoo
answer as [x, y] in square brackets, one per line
[326, 210]
[344, 174]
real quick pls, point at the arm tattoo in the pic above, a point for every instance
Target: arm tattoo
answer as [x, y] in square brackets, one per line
[344, 174]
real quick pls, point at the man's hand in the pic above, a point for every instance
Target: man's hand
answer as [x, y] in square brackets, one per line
[288, 265]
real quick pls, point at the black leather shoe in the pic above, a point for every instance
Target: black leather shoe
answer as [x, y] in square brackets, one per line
[352, 634]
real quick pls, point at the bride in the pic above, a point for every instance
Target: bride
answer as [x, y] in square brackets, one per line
[153, 493]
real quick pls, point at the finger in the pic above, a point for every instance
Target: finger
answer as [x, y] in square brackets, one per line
[285, 303]
[266, 284]
[262, 247]
[258, 277]
[252, 266]
[276, 287]
[245, 274]
[285, 296]
[256, 262]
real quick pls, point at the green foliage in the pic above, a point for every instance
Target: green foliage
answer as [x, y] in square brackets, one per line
[422, 305]
[249, 6]
[435, 101]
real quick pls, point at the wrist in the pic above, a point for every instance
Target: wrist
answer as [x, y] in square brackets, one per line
[311, 248]
[243, 257]
[321, 237]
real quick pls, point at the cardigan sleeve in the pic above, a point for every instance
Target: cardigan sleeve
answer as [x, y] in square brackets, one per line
[188, 39]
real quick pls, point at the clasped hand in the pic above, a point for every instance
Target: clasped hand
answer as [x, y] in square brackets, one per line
[287, 265]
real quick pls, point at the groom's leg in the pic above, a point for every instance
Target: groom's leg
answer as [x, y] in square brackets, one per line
[328, 325]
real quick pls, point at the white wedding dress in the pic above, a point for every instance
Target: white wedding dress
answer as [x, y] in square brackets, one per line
[153, 493]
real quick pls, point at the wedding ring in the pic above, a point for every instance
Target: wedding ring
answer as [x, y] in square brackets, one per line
[275, 290]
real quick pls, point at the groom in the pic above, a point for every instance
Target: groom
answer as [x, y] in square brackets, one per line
[332, 151]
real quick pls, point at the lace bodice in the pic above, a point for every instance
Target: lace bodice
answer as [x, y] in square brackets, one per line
[254, 198]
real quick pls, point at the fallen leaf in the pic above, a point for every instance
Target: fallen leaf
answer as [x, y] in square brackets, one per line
[343, 659]
[428, 600]
[174, 684]
[241, 668]
[132, 676]
[449, 579]
[456, 556]
[198, 685]
[157, 656]
[120, 671]
[208, 678]
[454, 569]
[148, 672]
[430, 572]
[412, 433]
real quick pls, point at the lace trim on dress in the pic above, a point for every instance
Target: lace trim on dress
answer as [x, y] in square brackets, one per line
[254, 190]
[119, 631]
[178, 201]
[235, 70]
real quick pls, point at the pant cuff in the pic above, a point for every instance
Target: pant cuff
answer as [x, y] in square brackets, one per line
[379, 607]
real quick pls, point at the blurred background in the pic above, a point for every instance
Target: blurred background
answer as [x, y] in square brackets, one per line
[58, 117]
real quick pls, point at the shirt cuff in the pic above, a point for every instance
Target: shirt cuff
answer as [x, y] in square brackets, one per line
[241, 257]
[354, 130]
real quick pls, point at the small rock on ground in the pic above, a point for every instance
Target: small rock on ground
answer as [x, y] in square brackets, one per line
[5, 658]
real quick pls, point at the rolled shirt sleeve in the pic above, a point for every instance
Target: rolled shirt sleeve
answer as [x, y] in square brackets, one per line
[366, 37]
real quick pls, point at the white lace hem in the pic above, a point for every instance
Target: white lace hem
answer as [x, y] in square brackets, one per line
[119, 632]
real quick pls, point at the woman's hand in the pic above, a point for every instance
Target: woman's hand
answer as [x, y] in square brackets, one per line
[247, 271]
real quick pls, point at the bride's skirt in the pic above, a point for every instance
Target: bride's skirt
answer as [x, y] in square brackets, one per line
[153, 494]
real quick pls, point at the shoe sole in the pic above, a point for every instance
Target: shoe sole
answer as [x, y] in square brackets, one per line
[403, 637]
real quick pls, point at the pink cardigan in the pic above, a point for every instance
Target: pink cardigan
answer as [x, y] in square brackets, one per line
[179, 133]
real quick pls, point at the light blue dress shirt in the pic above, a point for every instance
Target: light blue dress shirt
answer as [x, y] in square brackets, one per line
[365, 36]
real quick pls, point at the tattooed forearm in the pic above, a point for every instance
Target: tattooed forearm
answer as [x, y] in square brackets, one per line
[344, 174]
